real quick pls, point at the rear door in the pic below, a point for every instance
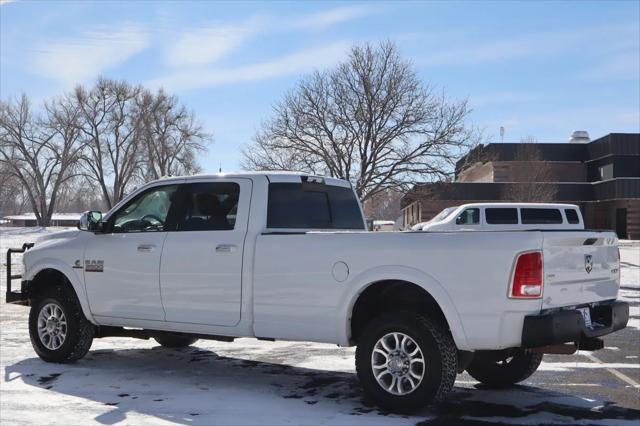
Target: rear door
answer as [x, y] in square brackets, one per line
[579, 267]
[201, 267]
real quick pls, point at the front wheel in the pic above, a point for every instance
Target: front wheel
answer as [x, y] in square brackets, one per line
[504, 368]
[405, 361]
[58, 329]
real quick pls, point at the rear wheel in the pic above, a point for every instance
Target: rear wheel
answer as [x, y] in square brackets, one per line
[58, 329]
[405, 361]
[175, 340]
[504, 368]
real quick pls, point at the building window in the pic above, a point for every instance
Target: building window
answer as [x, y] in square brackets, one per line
[606, 171]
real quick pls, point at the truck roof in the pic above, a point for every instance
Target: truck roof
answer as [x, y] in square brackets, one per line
[539, 205]
[273, 176]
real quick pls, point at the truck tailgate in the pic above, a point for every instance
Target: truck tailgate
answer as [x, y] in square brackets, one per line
[579, 268]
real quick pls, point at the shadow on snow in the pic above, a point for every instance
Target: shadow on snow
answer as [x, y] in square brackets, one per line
[195, 386]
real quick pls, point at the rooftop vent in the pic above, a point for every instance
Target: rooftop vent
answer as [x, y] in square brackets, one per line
[579, 136]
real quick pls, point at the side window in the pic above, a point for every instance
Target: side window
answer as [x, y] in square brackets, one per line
[572, 216]
[532, 216]
[501, 216]
[312, 206]
[290, 206]
[469, 217]
[147, 212]
[209, 206]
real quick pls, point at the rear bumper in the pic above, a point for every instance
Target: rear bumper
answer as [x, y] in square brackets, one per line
[568, 325]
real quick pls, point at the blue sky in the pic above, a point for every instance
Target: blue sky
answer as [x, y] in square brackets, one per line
[537, 68]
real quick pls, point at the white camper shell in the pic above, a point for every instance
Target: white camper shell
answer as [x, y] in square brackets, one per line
[504, 217]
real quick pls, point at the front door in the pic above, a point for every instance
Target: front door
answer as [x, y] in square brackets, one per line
[201, 268]
[122, 265]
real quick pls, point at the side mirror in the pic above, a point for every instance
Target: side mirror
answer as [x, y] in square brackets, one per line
[90, 221]
[459, 220]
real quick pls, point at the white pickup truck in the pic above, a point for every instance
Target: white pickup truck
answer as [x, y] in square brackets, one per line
[287, 256]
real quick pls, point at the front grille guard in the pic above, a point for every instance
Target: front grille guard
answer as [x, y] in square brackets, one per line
[17, 297]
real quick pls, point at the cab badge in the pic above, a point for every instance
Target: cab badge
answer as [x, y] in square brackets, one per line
[588, 263]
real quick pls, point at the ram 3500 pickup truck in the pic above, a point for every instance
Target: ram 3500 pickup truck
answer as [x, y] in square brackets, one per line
[287, 256]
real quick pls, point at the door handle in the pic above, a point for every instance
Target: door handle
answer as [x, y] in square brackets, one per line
[146, 248]
[225, 248]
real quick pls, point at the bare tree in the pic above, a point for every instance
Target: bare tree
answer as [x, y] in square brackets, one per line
[370, 120]
[39, 151]
[76, 195]
[12, 197]
[172, 138]
[535, 177]
[111, 128]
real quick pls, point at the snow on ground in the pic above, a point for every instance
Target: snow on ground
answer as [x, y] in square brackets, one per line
[630, 264]
[255, 382]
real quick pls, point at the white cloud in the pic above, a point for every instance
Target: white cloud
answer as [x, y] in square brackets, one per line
[498, 98]
[296, 63]
[330, 17]
[501, 49]
[467, 50]
[623, 66]
[207, 44]
[74, 60]
[6, 2]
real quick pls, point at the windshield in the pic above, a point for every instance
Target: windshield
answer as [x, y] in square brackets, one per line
[443, 214]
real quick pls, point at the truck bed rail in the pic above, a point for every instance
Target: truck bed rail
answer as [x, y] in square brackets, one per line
[17, 297]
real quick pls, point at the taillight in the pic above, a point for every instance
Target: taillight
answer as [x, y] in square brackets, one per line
[527, 276]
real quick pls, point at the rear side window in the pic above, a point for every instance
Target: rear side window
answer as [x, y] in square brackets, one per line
[501, 216]
[209, 206]
[532, 216]
[312, 206]
[572, 216]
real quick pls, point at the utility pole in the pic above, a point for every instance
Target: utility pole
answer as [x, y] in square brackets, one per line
[501, 134]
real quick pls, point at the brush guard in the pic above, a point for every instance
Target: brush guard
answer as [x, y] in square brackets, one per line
[16, 297]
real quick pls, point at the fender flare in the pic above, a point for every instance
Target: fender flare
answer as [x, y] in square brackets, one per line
[400, 273]
[67, 271]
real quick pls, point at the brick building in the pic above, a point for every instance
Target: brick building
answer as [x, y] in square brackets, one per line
[600, 176]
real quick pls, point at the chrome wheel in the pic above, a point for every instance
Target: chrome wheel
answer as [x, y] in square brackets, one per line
[397, 363]
[52, 326]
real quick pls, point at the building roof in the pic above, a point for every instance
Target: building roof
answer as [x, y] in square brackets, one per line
[611, 144]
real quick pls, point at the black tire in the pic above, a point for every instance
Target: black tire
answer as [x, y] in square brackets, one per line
[438, 350]
[501, 369]
[78, 332]
[170, 340]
